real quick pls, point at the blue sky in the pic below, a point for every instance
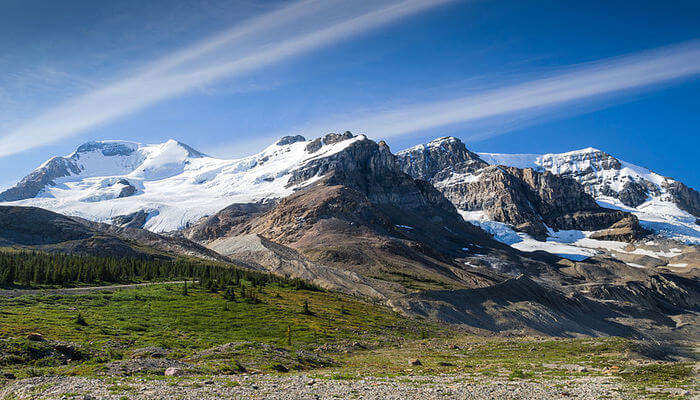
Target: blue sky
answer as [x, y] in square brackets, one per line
[227, 77]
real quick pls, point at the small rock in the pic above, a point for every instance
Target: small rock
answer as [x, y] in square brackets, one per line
[415, 361]
[35, 337]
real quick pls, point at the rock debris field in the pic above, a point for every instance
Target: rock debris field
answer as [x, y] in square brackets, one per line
[312, 387]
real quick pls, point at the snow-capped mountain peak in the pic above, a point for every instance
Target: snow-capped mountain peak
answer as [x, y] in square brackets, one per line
[662, 204]
[172, 183]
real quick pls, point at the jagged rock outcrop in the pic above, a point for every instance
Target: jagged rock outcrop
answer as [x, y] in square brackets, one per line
[632, 194]
[134, 220]
[46, 175]
[686, 198]
[330, 138]
[285, 140]
[127, 190]
[528, 200]
[436, 160]
[372, 169]
[625, 230]
[107, 149]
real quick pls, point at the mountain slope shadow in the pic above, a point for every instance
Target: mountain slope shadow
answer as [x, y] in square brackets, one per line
[39, 229]
[517, 304]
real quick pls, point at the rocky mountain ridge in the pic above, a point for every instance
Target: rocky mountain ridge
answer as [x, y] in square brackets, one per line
[529, 200]
[170, 186]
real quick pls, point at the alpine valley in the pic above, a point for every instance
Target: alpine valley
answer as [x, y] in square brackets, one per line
[578, 243]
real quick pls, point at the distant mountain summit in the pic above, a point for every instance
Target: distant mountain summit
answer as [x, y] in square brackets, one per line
[662, 204]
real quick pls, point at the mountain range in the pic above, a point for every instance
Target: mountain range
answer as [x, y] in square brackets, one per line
[169, 186]
[563, 244]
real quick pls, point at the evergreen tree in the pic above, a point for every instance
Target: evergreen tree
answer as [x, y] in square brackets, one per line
[306, 309]
[230, 294]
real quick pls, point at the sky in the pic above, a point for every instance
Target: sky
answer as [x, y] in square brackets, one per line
[228, 77]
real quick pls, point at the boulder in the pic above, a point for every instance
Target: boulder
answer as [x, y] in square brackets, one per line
[174, 371]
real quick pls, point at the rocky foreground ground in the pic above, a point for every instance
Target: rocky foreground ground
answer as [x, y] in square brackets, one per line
[319, 387]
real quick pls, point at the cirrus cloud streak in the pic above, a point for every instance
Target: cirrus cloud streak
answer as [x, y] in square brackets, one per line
[589, 82]
[282, 34]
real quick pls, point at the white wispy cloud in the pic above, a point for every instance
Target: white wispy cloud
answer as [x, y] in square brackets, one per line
[282, 34]
[589, 82]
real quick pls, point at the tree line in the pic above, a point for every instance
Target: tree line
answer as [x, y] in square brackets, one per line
[32, 268]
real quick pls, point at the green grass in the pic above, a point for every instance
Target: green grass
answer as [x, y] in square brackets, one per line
[340, 338]
[159, 315]
[664, 375]
[527, 358]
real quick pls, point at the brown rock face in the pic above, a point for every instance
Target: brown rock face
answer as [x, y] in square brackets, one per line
[624, 230]
[531, 201]
[373, 170]
[219, 224]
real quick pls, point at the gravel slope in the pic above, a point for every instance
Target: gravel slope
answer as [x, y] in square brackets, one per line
[308, 387]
